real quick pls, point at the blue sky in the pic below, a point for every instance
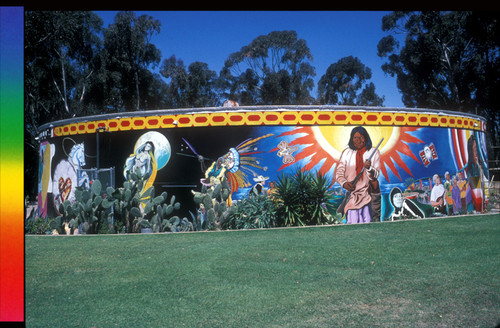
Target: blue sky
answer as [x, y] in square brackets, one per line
[211, 36]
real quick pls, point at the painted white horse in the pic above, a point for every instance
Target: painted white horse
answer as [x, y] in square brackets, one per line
[77, 158]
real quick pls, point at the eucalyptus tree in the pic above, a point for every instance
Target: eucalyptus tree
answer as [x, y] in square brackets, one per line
[192, 87]
[128, 55]
[174, 70]
[280, 62]
[344, 84]
[368, 96]
[442, 58]
[243, 88]
[60, 60]
[201, 85]
[60, 54]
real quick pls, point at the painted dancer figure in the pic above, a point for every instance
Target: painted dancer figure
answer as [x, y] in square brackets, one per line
[141, 161]
[235, 167]
[455, 195]
[355, 164]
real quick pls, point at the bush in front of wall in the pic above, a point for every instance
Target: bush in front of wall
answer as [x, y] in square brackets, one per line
[303, 198]
[67, 214]
[126, 202]
[35, 225]
[256, 211]
[135, 210]
[121, 210]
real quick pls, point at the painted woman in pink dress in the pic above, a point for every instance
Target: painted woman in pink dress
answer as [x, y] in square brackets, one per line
[476, 175]
[352, 161]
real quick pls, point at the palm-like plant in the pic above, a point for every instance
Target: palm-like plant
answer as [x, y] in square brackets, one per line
[303, 198]
[320, 198]
[287, 201]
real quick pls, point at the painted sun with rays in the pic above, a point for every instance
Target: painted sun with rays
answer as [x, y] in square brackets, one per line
[322, 146]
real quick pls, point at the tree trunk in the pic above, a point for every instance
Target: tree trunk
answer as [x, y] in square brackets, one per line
[137, 90]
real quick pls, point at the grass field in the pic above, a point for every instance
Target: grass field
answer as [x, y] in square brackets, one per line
[420, 273]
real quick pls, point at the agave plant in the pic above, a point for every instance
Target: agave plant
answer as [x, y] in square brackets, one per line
[321, 200]
[304, 198]
[287, 202]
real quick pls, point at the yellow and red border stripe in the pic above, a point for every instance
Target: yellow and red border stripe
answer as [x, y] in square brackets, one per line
[277, 117]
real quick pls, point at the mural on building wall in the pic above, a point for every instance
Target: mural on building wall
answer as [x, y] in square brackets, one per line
[377, 172]
[152, 152]
[238, 165]
[357, 172]
[428, 154]
[403, 207]
[46, 153]
[398, 165]
[475, 170]
[68, 174]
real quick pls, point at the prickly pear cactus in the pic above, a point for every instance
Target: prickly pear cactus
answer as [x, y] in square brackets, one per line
[66, 216]
[93, 211]
[212, 205]
[126, 203]
[158, 214]
[134, 209]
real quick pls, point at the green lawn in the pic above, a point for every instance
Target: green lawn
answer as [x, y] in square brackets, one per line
[425, 273]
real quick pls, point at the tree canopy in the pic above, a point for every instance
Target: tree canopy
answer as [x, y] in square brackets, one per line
[278, 67]
[343, 80]
[445, 57]
[446, 60]
[128, 55]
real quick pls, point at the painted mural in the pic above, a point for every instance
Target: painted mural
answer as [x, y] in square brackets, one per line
[151, 153]
[68, 174]
[238, 165]
[378, 172]
[46, 154]
[412, 165]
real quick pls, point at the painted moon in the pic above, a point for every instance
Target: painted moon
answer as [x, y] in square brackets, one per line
[162, 147]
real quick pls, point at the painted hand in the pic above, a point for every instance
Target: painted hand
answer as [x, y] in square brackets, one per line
[349, 186]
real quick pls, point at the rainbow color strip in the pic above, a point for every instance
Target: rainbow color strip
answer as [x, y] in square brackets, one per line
[11, 165]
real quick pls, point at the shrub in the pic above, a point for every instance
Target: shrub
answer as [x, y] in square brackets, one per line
[158, 214]
[35, 225]
[287, 202]
[134, 210]
[257, 211]
[303, 198]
